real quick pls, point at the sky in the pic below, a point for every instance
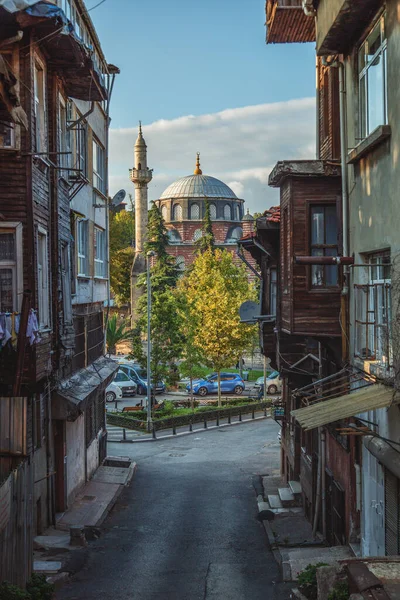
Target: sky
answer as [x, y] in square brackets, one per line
[200, 77]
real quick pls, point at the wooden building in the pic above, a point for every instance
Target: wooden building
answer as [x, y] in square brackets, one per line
[53, 373]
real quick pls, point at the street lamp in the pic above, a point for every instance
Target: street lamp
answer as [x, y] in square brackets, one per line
[149, 256]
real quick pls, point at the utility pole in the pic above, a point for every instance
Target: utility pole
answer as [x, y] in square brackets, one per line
[149, 390]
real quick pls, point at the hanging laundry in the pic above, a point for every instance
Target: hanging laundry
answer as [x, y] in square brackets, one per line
[32, 330]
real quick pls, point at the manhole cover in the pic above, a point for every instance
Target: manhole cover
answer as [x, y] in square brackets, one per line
[88, 498]
[177, 454]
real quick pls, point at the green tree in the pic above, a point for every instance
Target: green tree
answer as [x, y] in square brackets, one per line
[116, 332]
[207, 239]
[166, 336]
[214, 289]
[122, 234]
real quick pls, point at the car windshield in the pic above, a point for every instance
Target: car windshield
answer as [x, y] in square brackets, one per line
[273, 375]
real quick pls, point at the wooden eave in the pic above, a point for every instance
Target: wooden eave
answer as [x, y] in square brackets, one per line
[288, 24]
[302, 168]
[347, 27]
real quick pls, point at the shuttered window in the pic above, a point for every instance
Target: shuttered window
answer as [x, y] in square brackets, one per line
[392, 514]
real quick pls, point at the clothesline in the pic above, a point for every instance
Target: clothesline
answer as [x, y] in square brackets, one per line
[9, 328]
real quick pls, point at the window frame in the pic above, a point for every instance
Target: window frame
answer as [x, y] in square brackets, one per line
[43, 284]
[177, 207]
[324, 247]
[64, 135]
[363, 73]
[40, 105]
[83, 257]
[227, 218]
[11, 57]
[98, 174]
[15, 265]
[101, 261]
[195, 206]
[213, 208]
[273, 290]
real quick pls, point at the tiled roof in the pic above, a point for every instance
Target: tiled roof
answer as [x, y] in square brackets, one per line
[248, 236]
[273, 214]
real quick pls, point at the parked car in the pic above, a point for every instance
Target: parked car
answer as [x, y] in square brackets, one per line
[274, 383]
[230, 383]
[113, 392]
[139, 376]
[127, 385]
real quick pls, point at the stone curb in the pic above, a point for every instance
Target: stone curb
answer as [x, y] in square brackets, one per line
[184, 433]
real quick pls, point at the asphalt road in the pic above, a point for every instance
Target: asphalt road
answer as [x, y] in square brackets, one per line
[186, 528]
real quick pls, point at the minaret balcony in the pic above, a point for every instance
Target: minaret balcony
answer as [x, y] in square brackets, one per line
[141, 175]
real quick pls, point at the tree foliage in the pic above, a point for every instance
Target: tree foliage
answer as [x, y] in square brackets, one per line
[116, 332]
[122, 234]
[214, 289]
[207, 239]
[166, 336]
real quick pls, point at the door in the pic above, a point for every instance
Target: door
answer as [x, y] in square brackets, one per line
[227, 383]
[392, 514]
[60, 466]
[373, 507]
[213, 384]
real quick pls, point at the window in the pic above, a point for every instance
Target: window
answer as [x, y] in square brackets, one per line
[98, 167]
[177, 212]
[100, 265]
[272, 291]
[213, 211]
[10, 266]
[83, 247]
[197, 235]
[164, 212]
[66, 283]
[373, 80]
[40, 111]
[78, 135]
[373, 310]
[120, 376]
[227, 212]
[180, 263]
[7, 129]
[64, 136]
[195, 212]
[174, 237]
[237, 212]
[76, 19]
[324, 243]
[43, 279]
[285, 250]
[66, 6]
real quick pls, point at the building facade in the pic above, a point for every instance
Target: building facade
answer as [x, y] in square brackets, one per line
[333, 335]
[53, 262]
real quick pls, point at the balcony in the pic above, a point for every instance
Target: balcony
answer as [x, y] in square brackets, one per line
[287, 22]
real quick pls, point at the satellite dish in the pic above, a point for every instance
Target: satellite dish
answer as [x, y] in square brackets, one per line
[118, 198]
[249, 311]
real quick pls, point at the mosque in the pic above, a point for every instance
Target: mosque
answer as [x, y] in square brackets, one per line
[183, 206]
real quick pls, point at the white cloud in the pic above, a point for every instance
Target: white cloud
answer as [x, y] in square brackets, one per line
[237, 145]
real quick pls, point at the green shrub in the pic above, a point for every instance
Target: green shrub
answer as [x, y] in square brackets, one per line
[39, 589]
[307, 580]
[12, 592]
[340, 591]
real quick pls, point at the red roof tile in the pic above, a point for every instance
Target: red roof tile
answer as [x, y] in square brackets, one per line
[273, 214]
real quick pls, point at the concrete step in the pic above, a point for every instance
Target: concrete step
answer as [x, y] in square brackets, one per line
[274, 501]
[286, 496]
[295, 486]
[298, 559]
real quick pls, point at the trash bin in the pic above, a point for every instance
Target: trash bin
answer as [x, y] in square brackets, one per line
[245, 375]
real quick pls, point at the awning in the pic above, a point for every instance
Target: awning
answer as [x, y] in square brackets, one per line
[343, 407]
[74, 394]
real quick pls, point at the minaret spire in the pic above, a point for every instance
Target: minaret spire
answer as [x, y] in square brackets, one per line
[140, 176]
[197, 170]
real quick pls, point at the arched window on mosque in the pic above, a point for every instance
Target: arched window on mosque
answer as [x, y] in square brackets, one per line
[197, 235]
[237, 211]
[234, 235]
[164, 212]
[174, 236]
[227, 212]
[180, 263]
[213, 211]
[177, 212]
[195, 212]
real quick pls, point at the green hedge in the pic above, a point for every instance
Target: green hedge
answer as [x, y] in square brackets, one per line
[206, 413]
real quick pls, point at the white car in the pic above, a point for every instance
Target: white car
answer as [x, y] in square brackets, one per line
[127, 385]
[274, 383]
[113, 392]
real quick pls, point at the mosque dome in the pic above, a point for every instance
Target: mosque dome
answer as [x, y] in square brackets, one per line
[198, 186]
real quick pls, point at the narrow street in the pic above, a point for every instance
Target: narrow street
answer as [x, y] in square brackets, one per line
[186, 528]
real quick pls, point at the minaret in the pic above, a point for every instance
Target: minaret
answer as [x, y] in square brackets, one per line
[141, 176]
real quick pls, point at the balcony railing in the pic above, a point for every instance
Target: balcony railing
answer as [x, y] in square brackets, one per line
[372, 331]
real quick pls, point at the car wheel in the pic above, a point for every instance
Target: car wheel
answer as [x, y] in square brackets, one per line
[140, 390]
[272, 389]
[238, 390]
[110, 397]
[202, 391]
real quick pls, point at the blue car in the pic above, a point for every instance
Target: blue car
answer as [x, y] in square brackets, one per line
[230, 383]
[139, 376]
